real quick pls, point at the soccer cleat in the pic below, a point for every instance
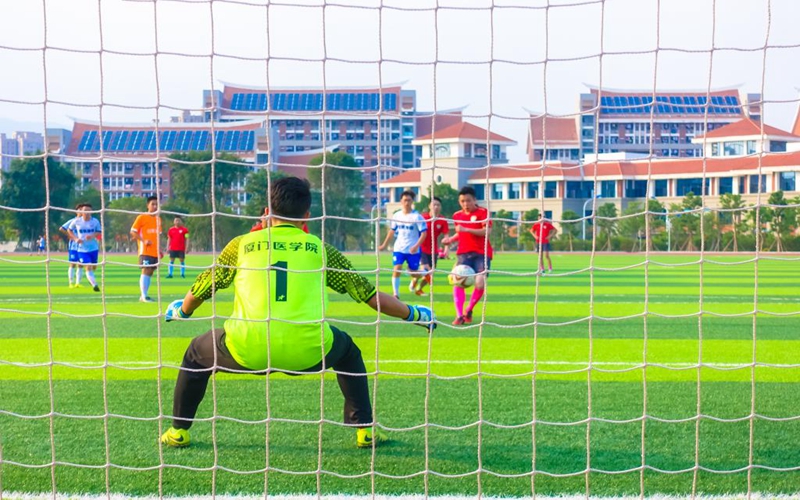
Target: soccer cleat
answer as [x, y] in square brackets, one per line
[458, 321]
[71, 285]
[146, 299]
[78, 285]
[412, 286]
[468, 317]
[420, 292]
[366, 437]
[96, 288]
[176, 438]
[169, 276]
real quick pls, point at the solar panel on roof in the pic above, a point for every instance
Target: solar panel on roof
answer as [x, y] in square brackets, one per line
[219, 138]
[149, 141]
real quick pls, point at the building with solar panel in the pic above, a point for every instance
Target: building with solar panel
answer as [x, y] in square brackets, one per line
[135, 156]
[619, 121]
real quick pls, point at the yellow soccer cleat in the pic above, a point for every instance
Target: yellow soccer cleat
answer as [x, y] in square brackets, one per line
[365, 437]
[176, 438]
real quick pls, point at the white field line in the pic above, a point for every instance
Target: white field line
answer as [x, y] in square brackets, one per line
[522, 362]
[62, 496]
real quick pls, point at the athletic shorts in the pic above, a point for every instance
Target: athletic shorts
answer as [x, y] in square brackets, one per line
[73, 256]
[412, 259]
[544, 247]
[475, 260]
[88, 257]
[177, 254]
[429, 260]
[148, 261]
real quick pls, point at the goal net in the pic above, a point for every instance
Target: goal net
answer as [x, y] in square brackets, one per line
[618, 176]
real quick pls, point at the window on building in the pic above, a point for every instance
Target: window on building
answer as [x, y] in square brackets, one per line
[480, 191]
[497, 191]
[686, 186]
[608, 189]
[725, 185]
[777, 146]
[786, 181]
[480, 151]
[515, 191]
[468, 150]
[756, 186]
[735, 148]
[550, 189]
[635, 189]
[751, 147]
[548, 214]
[533, 190]
[742, 181]
[580, 189]
[661, 187]
[397, 193]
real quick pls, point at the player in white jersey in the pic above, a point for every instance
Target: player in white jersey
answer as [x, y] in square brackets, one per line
[86, 231]
[74, 270]
[408, 227]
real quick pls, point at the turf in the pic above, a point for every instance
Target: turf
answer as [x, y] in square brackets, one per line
[547, 395]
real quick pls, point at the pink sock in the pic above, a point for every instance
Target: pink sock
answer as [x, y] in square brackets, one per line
[459, 297]
[476, 296]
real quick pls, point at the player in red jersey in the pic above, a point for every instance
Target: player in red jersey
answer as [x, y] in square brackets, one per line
[472, 225]
[437, 226]
[178, 236]
[542, 231]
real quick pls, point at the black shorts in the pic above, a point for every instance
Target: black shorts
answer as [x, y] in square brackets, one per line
[429, 260]
[544, 247]
[177, 254]
[477, 261]
[148, 261]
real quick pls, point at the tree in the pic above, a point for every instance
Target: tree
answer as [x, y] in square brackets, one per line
[732, 204]
[24, 187]
[501, 227]
[121, 214]
[448, 195]
[633, 223]
[257, 188]
[607, 223]
[686, 221]
[570, 228]
[782, 218]
[524, 232]
[343, 186]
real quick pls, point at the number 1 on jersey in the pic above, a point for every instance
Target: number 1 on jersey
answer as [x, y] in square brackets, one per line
[280, 280]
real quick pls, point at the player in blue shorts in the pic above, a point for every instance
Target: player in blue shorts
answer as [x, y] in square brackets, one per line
[408, 227]
[86, 231]
[42, 242]
[74, 270]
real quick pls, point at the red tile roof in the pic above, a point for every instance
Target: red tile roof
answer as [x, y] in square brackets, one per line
[465, 130]
[412, 176]
[529, 170]
[557, 129]
[744, 128]
[424, 124]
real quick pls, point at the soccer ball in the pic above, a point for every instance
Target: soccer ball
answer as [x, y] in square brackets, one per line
[461, 275]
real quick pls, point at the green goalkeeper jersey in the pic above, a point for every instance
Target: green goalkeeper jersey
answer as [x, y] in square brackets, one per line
[280, 276]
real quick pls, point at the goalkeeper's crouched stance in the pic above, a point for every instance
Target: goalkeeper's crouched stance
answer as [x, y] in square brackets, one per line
[280, 277]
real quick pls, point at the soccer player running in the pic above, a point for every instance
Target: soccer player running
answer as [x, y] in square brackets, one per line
[74, 269]
[436, 226]
[278, 320]
[542, 231]
[472, 225]
[86, 232]
[145, 230]
[42, 241]
[178, 245]
[408, 227]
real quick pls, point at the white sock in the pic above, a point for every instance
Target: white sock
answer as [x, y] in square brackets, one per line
[78, 270]
[90, 277]
[71, 274]
[396, 285]
[144, 284]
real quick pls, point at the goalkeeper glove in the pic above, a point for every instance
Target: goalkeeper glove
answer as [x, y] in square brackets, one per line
[423, 316]
[175, 311]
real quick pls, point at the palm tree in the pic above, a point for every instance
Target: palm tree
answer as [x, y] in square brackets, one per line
[782, 218]
[732, 204]
[568, 226]
[607, 222]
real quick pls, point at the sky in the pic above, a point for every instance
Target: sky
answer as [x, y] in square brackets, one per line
[138, 60]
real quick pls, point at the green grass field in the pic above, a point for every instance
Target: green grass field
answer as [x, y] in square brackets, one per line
[537, 387]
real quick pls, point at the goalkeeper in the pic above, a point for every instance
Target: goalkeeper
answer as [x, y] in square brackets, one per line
[277, 324]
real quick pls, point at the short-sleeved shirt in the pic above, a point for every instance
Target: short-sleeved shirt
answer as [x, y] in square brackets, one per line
[88, 231]
[435, 229]
[71, 245]
[177, 238]
[541, 231]
[148, 226]
[407, 230]
[285, 305]
[468, 242]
